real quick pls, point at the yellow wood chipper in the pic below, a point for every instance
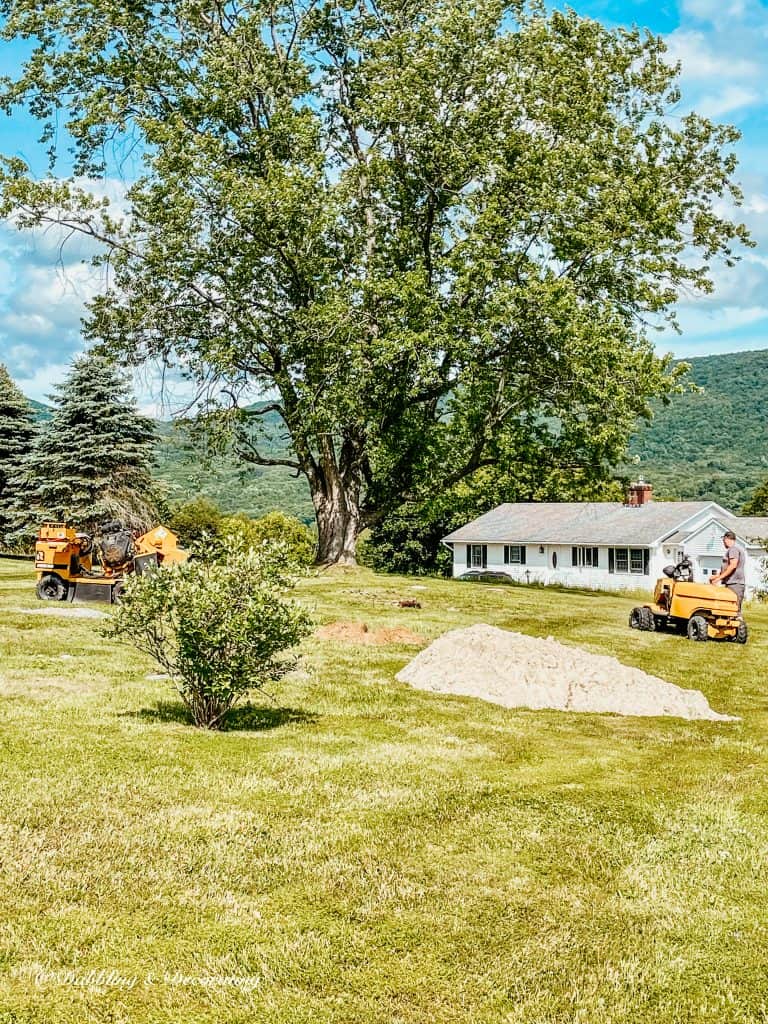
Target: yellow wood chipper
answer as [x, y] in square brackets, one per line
[700, 610]
[72, 566]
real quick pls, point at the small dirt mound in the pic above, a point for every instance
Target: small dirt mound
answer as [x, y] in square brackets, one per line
[359, 633]
[519, 671]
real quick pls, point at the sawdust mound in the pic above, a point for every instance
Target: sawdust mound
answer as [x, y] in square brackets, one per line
[359, 633]
[521, 671]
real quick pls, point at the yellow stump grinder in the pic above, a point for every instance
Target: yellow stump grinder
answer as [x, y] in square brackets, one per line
[72, 566]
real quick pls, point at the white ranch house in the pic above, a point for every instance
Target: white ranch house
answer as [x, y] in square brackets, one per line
[605, 545]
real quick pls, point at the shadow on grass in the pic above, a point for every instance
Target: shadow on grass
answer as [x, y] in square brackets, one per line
[247, 717]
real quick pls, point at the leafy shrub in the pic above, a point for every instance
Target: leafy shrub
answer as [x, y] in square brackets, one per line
[217, 628]
[194, 520]
[296, 538]
[407, 542]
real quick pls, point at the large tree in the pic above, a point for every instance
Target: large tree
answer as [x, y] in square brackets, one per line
[92, 460]
[437, 233]
[17, 432]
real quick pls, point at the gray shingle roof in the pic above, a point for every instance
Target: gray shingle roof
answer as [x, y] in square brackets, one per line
[750, 528]
[679, 538]
[591, 522]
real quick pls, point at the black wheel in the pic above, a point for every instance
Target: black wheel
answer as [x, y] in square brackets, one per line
[642, 618]
[649, 619]
[742, 633]
[51, 588]
[697, 628]
[117, 593]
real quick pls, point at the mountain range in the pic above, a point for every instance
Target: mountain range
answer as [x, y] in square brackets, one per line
[709, 443]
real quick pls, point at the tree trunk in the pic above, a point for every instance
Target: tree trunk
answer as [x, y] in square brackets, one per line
[338, 525]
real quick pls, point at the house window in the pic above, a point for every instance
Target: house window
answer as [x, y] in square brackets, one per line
[585, 558]
[632, 561]
[514, 554]
[477, 556]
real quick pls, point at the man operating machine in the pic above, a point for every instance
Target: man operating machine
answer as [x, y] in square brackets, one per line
[731, 573]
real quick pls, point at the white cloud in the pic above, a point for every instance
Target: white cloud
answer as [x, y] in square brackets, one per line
[703, 321]
[703, 59]
[722, 49]
[46, 279]
[756, 204]
[732, 98]
[38, 384]
[29, 325]
[714, 11]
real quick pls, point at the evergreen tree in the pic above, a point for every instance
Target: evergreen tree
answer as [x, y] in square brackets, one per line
[17, 432]
[92, 461]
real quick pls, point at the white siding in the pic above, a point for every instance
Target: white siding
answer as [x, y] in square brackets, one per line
[539, 568]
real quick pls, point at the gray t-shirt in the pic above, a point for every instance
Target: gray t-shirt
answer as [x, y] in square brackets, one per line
[738, 555]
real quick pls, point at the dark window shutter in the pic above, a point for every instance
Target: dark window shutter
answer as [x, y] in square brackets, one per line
[611, 560]
[595, 556]
[522, 554]
[506, 554]
[485, 556]
[469, 556]
[575, 555]
[646, 562]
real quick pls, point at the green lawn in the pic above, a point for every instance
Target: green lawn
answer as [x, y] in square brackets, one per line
[361, 852]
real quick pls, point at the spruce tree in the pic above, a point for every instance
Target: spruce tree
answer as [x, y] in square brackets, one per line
[17, 432]
[92, 461]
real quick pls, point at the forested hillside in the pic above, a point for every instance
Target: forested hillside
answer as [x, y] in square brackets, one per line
[42, 412]
[712, 443]
[235, 486]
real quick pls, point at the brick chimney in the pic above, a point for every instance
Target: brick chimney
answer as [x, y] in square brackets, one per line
[639, 493]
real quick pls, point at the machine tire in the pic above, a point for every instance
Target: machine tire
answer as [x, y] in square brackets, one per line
[117, 593]
[51, 588]
[642, 618]
[742, 633]
[649, 620]
[697, 628]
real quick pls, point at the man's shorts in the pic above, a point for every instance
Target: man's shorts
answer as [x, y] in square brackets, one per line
[738, 589]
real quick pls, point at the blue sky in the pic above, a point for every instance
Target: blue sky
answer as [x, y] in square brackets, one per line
[723, 48]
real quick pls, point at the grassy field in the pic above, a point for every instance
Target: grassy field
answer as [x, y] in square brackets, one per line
[360, 852]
